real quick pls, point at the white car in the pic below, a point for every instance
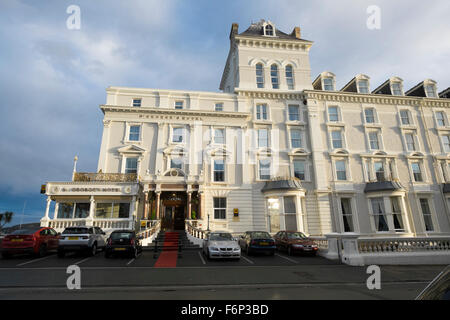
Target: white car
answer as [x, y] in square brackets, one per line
[221, 245]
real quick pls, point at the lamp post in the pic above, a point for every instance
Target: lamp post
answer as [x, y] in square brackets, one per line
[208, 223]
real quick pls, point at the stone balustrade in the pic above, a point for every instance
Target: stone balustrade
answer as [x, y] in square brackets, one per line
[108, 177]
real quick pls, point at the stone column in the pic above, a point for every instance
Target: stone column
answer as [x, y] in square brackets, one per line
[158, 197]
[45, 219]
[199, 209]
[90, 218]
[55, 214]
[131, 213]
[145, 205]
[189, 212]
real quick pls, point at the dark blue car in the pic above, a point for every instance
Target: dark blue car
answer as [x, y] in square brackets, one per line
[257, 241]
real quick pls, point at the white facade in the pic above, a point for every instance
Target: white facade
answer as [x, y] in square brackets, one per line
[274, 151]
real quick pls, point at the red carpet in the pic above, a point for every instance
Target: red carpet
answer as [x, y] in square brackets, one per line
[169, 255]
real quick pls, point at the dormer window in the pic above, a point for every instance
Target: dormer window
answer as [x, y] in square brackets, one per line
[363, 86]
[397, 89]
[268, 30]
[328, 84]
[430, 90]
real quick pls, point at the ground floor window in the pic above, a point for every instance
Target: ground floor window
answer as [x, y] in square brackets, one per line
[112, 210]
[71, 210]
[220, 208]
[347, 215]
[379, 214]
[273, 205]
[397, 214]
[388, 213]
[290, 213]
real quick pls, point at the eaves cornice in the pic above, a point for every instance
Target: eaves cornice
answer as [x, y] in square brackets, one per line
[265, 94]
[351, 97]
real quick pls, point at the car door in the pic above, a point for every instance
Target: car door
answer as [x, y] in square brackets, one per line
[53, 239]
[44, 238]
[284, 241]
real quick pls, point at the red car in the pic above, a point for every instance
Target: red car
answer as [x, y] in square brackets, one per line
[295, 242]
[35, 241]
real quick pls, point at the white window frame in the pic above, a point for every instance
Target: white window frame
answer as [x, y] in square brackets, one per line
[291, 78]
[127, 133]
[421, 171]
[302, 137]
[358, 84]
[375, 117]
[433, 215]
[433, 86]
[353, 210]
[388, 214]
[441, 139]
[379, 140]
[305, 168]
[400, 86]
[268, 137]
[172, 130]
[415, 141]
[343, 140]
[275, 84]
[125, 164]
[261, 113]
[445, 119]
[219, 208]
[258, 169]
[223, 129]
[338, 112]
[218, 104]
[300, 118]
[175, 104]
[346, 166]
[332, 84]
[410, 118]
[133, 102]
[213, 163]
[260, 77]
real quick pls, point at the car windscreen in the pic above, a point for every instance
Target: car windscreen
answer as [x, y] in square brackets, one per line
[260, 235]
[296, 235]
[220, 237]
[76, 231]
[121, 235]
[25, 231]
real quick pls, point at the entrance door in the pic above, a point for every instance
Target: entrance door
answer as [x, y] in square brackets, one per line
[167, 220]
[178, 223]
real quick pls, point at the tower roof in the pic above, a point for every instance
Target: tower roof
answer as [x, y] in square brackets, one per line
[257, 30]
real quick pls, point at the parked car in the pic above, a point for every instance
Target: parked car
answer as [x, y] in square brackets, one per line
[87, 239]
[123, 242]
[221, 245]
[257, 241]
[37, 241]
[295, 242]
[438, 289]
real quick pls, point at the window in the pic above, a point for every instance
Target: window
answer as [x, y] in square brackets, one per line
[220, 208]
[299, 169]
[274, 76]
[379, 171]
[178, 135]
[294, 112]
[290, 213]
[263, 138]
[425, 206]
[178, 104]
[379, 216]
[269, 30]
[134, 133]
[219, 170]
[373, 141]
[397, 214]
[404, 117]
[397, 89]
[219, 136]
[440, 118]
[347, 216]
[264, 169]
[273, 206]
[131, 165]
[336, 139]
[370, 115]
[333, 114]
[65, 210]
[341, 171]
[446, 143]
[112, 210]
[296, 138]
[219, 107]
[430, 90]
[261, 112]
[417, 173]
[259, 75]
[176, 163]
[328, 84]
[137, 102]
[363, 86]
[410, 143]
[289, 77]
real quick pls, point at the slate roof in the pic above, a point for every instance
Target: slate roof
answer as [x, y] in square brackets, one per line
[382, 186]
[256, 30]
[282, 185]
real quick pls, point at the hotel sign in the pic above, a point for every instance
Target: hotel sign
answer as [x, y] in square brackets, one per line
[90, 189]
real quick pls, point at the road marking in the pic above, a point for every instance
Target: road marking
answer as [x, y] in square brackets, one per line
[34, 260]
[247, 259]
[131, 261]
[201, 257]
[289, 259]
[79, 262]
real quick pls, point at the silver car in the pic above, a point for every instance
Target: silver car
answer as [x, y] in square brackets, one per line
[87, 239]
[221, 245]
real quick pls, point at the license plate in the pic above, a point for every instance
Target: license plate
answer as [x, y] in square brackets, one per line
[16, 240]
[119, 249]
[263, 243]
[73, 238]
[308, 249]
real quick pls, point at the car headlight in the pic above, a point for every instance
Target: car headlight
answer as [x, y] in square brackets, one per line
[236, 249]
[213, 249]
[297, 245]
[314, 246]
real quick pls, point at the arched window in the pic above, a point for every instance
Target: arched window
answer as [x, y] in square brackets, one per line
[269, 30]
[274, 76]
[289, 77]
[259, 76]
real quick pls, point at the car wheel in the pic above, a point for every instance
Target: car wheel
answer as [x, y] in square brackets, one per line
[6, 255]
[42, 251]
[61, 254]
[94, 250]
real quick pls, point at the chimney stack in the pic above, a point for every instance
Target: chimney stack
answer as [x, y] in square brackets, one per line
[296, 32]
[234, 30]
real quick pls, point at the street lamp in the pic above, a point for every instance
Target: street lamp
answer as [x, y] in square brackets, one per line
[208, 223]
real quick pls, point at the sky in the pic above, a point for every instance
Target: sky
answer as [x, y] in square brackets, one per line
[53, 79]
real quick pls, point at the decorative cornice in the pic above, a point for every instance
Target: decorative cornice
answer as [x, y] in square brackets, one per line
[179, 114]
[273, 43]
[264, 94]
[351, 97]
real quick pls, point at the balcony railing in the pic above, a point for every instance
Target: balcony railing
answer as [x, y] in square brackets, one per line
[108, 177]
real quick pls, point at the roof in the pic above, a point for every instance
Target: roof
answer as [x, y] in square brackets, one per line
[445, 94]
[282, 185]
[382, 186]
[256, 30]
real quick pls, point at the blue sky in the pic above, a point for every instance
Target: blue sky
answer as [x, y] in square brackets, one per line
[52, 79]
